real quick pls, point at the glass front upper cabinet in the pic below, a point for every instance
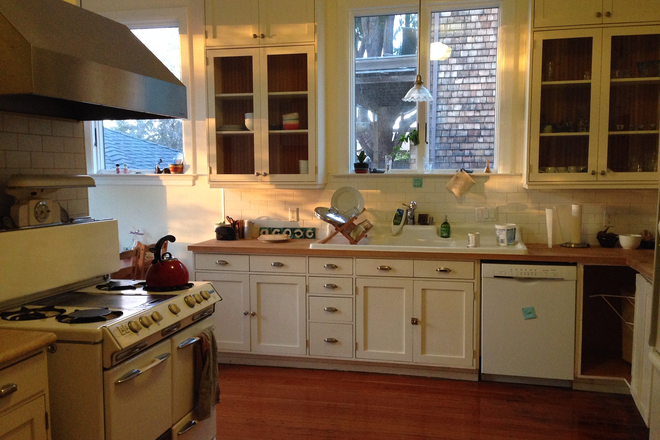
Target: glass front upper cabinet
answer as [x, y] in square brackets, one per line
[594, 117]
[262, 118]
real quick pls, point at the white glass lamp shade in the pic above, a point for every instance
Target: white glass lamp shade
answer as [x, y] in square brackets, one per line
[418, 93]
[439, 51]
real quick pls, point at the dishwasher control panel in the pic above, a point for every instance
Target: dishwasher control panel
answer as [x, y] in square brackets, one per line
[513, 270]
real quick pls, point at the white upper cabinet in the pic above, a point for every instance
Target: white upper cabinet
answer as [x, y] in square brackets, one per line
[549, 13]
[231, 23]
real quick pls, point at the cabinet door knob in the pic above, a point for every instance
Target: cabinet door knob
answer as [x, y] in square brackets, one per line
[264, 174]
[608, 14]
[330, 286]
[330, 266]
[593, 172]
[222, 262]
[246, 313]
[602, 172]
[330, 309]
[255, 36]
[443, 270]
[414, 321]
[262, 36]
[384, 268]
[253, 313]
[599, 14]
[257, 173]
[330, 340]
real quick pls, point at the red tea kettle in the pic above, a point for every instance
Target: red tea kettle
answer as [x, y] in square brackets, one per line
[166, 271]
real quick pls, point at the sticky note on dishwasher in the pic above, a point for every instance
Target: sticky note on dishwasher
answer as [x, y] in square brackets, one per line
[529, 313]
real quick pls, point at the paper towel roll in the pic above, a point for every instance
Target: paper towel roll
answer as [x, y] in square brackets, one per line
[549, 214]
[576, 224]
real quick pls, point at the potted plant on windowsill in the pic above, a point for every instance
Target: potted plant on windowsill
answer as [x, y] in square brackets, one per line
[362, 165]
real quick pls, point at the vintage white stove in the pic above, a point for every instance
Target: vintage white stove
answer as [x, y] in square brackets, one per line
[122, 366]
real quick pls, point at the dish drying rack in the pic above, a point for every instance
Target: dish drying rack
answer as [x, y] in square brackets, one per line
[349, 229]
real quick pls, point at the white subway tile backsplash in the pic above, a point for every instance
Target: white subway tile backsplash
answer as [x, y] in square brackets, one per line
[40, 126]
[15, 123]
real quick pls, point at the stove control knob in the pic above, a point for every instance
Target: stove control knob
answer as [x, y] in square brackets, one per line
[134, 326]
[190, 301]
[145, 321]
[157, 316]
[174, 309]
[198, 298]
[205, 294]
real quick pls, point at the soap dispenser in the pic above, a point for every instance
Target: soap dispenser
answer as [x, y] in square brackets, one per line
[397, 221]
[445, 229]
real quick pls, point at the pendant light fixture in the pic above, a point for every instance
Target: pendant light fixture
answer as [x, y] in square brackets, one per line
[418, 93]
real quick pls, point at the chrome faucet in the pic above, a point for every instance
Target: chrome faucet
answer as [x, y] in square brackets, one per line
[410, 213]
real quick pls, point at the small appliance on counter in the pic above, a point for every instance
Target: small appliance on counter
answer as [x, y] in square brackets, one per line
[33, 207]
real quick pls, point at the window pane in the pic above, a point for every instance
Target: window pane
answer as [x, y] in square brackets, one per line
[462, 119]
[140, 144]
[385, 69]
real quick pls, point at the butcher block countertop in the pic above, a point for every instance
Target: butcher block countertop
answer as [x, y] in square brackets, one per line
[16, 345]
[640, 259]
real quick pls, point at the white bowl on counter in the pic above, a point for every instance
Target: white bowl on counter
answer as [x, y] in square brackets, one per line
[630, 241]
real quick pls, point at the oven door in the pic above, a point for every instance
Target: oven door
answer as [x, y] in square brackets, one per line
[185, 424]
[138, 395]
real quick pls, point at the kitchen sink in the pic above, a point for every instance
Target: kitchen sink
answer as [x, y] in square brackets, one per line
[417, 238]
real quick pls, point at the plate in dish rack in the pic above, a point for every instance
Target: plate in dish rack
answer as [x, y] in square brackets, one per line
[273, 238]
[348, 201]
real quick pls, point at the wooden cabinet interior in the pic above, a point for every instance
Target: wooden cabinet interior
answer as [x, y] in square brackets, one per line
[604, 333]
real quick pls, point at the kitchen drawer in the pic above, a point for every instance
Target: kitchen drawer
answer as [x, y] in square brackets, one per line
[29, 376]
[277, 264]
[331, 285]
[444, 269]
[330, 266]
[222, 262]
[330, 309]
[331, 340]
[383, 267]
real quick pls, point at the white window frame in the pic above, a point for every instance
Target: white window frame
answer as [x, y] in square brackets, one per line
[512, 78]
[135, 19]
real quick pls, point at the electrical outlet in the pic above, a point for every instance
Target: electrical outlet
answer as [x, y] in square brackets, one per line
[608, 219]
[293, 214]
[483, 214]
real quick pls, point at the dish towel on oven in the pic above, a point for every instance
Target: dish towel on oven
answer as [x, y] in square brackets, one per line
[207, 389]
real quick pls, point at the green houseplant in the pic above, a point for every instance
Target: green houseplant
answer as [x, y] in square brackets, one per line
[362, 165]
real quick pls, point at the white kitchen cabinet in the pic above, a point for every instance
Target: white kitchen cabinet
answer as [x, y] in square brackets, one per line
[555, 13]
[594, 108]
[259, 22]
[642, 369]
[269, 83]
[24, 404]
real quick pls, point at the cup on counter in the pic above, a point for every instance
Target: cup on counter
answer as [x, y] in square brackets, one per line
[506, 234]
[473, 239]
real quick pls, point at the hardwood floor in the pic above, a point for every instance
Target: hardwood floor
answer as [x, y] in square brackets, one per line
[279, 403]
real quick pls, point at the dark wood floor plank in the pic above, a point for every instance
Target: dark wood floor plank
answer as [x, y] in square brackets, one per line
[279, 403]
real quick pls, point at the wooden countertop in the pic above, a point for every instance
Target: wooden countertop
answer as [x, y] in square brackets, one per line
[641, 259]
[16, 345]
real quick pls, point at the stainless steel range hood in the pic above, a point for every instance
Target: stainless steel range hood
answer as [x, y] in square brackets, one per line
[62, 61]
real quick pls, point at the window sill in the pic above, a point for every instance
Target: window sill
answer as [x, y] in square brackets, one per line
[145, 179]
[412, 174]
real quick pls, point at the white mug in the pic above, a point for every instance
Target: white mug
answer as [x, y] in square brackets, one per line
[473, 239]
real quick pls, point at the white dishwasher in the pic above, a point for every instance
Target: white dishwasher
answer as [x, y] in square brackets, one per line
[528, 322]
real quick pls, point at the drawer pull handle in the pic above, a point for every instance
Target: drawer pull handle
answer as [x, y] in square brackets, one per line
[330, 340]
[222, 262]
[277, 264]
[330, 309]
[187, 342]
[187, 427]
[330, 286]
[330, 266]
[384, 268]
[135, 373]
[8, 390]
[443, 270]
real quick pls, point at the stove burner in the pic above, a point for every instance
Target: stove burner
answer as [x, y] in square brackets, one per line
[89, 315]
[168, 289]
[30, 314]
[119, 285]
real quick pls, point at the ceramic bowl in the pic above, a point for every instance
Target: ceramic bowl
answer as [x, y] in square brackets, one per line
[630, 241]
[291, 125]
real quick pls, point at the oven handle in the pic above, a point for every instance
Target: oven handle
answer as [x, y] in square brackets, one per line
[187, 427]
[135, 373]
[191, 341]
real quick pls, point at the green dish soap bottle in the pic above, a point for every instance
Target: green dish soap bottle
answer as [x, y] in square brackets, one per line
[445, 229]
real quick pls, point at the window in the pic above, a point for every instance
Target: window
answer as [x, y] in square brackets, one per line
[139, 145]
[461, 131]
